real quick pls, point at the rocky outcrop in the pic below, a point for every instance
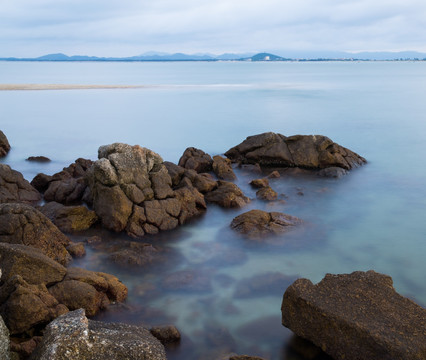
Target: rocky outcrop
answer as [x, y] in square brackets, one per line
[196, 159]
[305, 151]
[73, 336]
[256, 224]
[4, 341]
[23, 224]
[356, 316]
[4, 144]
[132, 191]
[223, 169]
[69, 218]
[66, 187]
[14, 188]
[227, 195]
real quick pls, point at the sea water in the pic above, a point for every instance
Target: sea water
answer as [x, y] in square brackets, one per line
[373, 218]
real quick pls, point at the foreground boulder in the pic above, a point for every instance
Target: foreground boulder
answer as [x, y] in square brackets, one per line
[256, 224]
[356, 316]
[23, 224]
[4, 144]
[305, 151]
[14, 188]
[73, 336]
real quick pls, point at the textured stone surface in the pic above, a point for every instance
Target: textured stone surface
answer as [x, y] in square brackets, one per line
[23, 224]
[14, 188]
[227, 195]
[166, 333]
[256, 224]
[196, 159]
[266, 193]
[356, 316]
[260, 183]
[223, 169]
[4, 144]
[73, 336]
[306, 151]
[4, 341]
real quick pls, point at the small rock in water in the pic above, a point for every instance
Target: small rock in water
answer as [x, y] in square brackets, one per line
[41, 159]
[274, 175]
[267, 193]
[76, 250]
[166, 334]
[260, 183]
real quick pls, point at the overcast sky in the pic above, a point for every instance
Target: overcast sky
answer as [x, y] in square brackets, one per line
[30, 28]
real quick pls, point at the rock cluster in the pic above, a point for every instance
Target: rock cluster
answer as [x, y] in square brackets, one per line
[14, 188]
[305, 151]
[4, 144]
[356, 316]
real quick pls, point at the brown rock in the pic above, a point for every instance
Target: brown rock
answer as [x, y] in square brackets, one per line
[23, 224]
[196, 159]
[227, 195]
[223, 169]
[187, 280]
[166, 334]
[76, 250]
[14, 188]
[274, 175]
[42, 159]
[356, 316]
[192, 202]
[117, 291]
[256, 224]
[260, 183]
[266, 193]
[142, 255]
[69, 218]
[4, 144]
[41, 182]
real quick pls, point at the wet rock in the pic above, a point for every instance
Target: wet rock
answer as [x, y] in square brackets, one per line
[76, 250]
[24, 306]
[117, 291]
[256, 224]
[14, 188]
[4, 144]
[166, 334]
[223, 169]
[41, 159]
[30, 263]
[4, 341]
[24, 348]
[23, 224]
[192, 202]
[267, 194]
[356, 316]
[306, 151]
[332, 172]
[227, 195]
[142, 255]
[274, 175]
[196, 159]
[41, 182]
[73, 336]
[69, 218]
[259, 183]
[188, 280]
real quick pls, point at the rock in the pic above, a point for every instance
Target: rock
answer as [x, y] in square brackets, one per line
[266, 193]
[24, 306]
[4, 338]
[256, 224]
[68, 186]
[227, 195]
[223, 169]
[305, 151]
[274, 175]
[259, 183]
[4, 144]
[73, 336]
[140, 256]
[196, 159]
[76, 250]
[24, 348]
[117, 291]
[166, 334]
[23, 224]
[14, 188]
[41, 159]
[30, 263]
[187, 280]
[192, 202]
[332, 172]
[356, 316]
[69, 218]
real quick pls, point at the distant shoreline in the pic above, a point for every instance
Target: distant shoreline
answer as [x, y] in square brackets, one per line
[12, 87]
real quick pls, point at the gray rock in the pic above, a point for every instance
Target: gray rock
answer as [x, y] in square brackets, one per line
[333, 172]
[14, 188]
[356, 316]
[73, 336]
[4, 340]
[4, 144]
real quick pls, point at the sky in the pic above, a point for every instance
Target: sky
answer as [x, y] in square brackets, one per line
[31, 28]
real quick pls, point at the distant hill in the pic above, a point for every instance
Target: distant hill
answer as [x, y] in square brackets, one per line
[265, 57]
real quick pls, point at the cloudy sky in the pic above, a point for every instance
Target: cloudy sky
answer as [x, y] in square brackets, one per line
[30, 28]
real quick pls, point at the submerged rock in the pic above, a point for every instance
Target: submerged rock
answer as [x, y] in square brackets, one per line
[306, 151]
[256, 224]
[356, 316]
[73, 336]
[23, 224]
[4, 144]
[196, 159]
[14, 188]
[227, 195]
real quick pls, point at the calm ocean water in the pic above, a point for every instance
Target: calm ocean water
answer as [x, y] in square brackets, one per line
[374, 218]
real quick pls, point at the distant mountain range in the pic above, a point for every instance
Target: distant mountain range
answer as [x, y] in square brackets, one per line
[312, 56]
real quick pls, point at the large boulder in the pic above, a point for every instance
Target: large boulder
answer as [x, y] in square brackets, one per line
[23, 224]
[227, 195]
[133, 192]
[14, 188]
[305, 151]
[196, 159]
[69, 218]
[4, 341]
[356, 316]
[4, 144]
[73, 336]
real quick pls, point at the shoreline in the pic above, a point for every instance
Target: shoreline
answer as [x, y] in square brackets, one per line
[14, 87]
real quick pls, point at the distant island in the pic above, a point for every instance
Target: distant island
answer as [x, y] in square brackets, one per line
[264, 56]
